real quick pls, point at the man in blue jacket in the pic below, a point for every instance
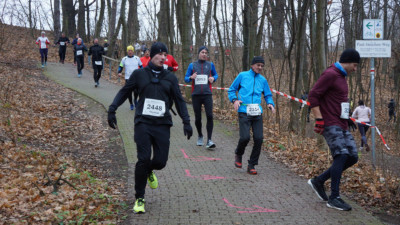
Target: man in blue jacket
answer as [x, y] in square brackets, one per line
[202, 74]
[250, 85]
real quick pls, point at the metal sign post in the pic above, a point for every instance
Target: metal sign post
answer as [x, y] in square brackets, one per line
[373, 111]
[373, 48]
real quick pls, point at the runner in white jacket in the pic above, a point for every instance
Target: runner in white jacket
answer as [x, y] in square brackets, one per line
[363, 114]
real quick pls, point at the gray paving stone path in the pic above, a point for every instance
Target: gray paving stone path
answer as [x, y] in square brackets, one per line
[203, 187]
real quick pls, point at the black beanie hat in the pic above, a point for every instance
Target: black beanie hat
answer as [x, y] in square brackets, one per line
[350, 55]
[158, 47]
[257, 59]
[202, 48]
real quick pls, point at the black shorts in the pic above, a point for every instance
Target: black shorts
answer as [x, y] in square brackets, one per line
[340, 141]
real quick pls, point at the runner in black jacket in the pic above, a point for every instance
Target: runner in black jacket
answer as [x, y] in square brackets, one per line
[79, 49]
[62, 41]
[97, 52]
[157, 89]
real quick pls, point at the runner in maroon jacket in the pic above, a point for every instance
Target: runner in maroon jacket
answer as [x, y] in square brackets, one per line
[329, 104]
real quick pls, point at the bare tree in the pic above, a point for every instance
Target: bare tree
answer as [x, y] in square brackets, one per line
[277, 19]
[163, 21]
[249, 31]
[56, 20]
[201, 34]
[183, 13]
[68, 8]
[221, 48]
[81, 19]
[99, 23]
[133, 21]
[112, 9]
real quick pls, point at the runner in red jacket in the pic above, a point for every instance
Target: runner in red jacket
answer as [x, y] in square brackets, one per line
[170, 63]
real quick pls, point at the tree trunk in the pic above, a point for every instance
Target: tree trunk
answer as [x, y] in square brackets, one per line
[88, 19]
[257, 49]
[184, 24]
[69, 27]
[278, 27]
[163, 21]
[56, 19]
[347, 24]
[111, 25]
[221, 48]
[234, 18]
[300, 35]
[81, 20]
[99, 23]
[249, 31]
[171, 28]
[133, 22]
[122, 21]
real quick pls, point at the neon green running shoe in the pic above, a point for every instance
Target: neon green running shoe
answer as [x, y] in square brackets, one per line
[153, 182]
[139, 206]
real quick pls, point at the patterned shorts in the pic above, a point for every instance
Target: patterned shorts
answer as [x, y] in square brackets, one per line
[340, 141]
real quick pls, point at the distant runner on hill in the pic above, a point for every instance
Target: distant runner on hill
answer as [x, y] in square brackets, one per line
[79, 49]
[63, 42]
[43, 43]
[97, 52]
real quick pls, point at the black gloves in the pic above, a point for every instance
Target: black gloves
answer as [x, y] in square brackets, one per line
[170, 69]
[352, 125]
[112, 120]
[187, 129]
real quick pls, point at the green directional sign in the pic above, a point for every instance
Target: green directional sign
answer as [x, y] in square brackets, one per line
[373, 29]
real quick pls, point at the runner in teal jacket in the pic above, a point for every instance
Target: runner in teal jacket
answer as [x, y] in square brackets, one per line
[250, 86]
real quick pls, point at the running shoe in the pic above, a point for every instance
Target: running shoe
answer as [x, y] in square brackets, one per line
[132, 106]
[98, 84]
[153, 182]
[139, 206]
[200, 141]
[42, 65]
[95, 84]
[238, 161]
[339, 204]
[319, 188]
[210, 144]
[251, 170]
[79, 75]
[367, 148]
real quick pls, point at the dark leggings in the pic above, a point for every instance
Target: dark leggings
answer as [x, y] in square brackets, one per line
[149, 137]
[43, 55]
[340, 164]
[363, 130]
[207, 101]
[97, 72]
[130, 96]
[80, 64]
[61, 53]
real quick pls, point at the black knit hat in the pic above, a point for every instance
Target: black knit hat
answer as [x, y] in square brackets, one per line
[350, 55]
[257, 59]
[158, 47]
[202, 48]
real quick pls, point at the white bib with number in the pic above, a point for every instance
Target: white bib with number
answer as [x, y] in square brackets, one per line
[105, 48]
[153, 107]
[345, 110]
[253, 110]
[43, 45]
[79, 52]
[99, 63]
[201, 79]
[165, 66]
[62, 43]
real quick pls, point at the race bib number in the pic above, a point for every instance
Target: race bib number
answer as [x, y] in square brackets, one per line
[105, 48]
[43, 44]
[253, 110]
[62, 43]
[345, 113]
[79, 52]
[99, 63]
[153, 107]
[201, 79]
[165, 66]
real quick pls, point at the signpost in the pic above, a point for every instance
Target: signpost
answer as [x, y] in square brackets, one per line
[374, 46]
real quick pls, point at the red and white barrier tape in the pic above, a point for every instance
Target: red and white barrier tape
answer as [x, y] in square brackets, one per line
[307, 103]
